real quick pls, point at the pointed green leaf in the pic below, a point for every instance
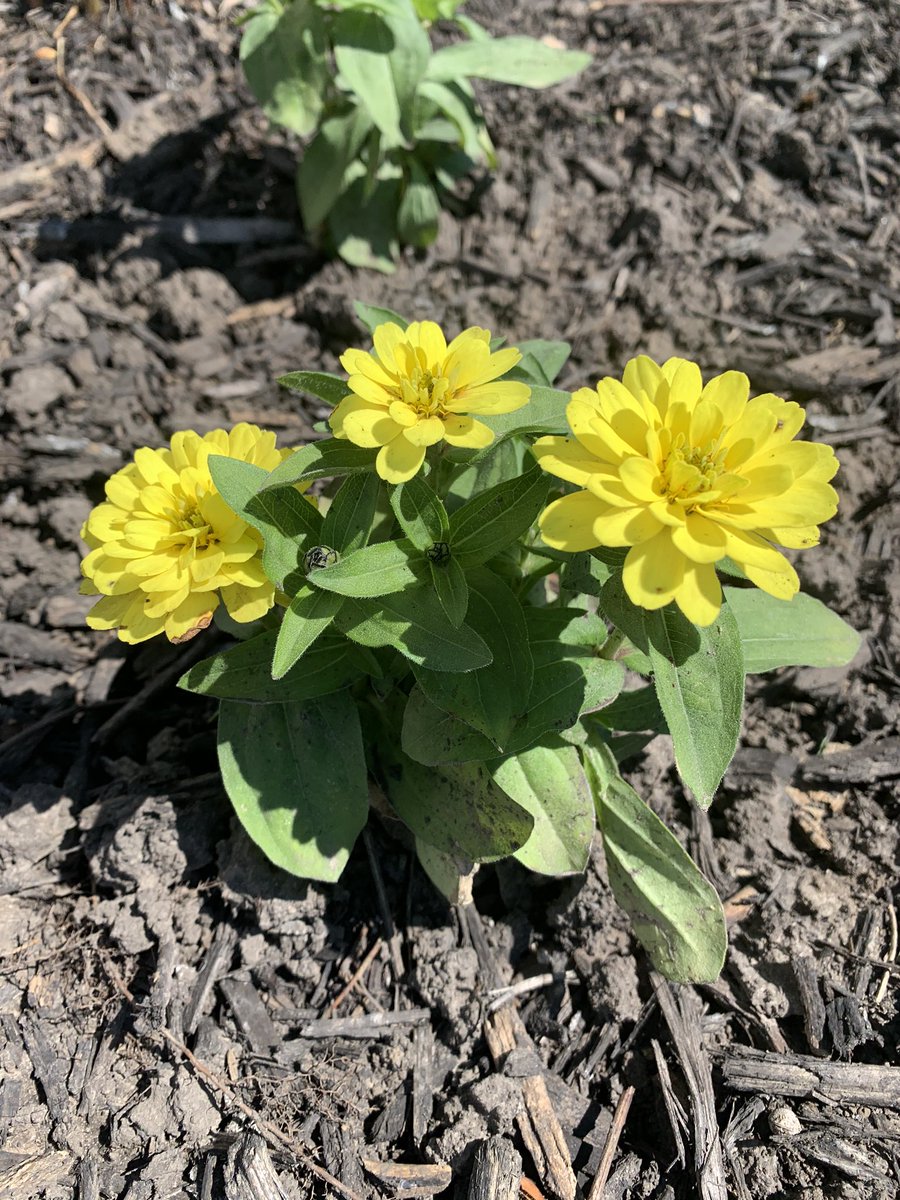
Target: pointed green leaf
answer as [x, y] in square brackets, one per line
[296, 775]
[420, 513]
[633, 711]
[310, 613]
[493, 520]
[321, 171]
[551, 785]
[451, 875]
[363, 220]
[699, 679]
[330, 388]
[675, 911]
[543, 361]
[284, 58]
[245, 671]
[348, 522]
[452, 589]
[362, 42]
[414, 623]
[545, 412]
[372, 316]
[378, 570]
[789, 633]
[330, 458]
[420, 209]
[523, 61]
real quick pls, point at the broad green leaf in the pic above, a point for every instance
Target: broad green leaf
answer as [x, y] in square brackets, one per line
[372, 316]
[309, 615]
[699, 679]
[348, 522]
[548, 357]
[330, 388]
[674, 910]
[452, 876]
[287, 521]
[634, 711]
[452, 589]
[489, 699]
[545, 412]
[456, 808]
[420, 513]
[362, 42]
[789, 633]
[330, 458]
[494, 519]
[451, 100]
[583, 574]
[321, 171]
[551, 785]
[378, 570]
[625, 615]
[523, 61]
[245, 671]
[284, 59]
[408, 60]
[502, 461]
[414, 623]
[296, 775]
[431, 736]
[420, 209]
[363, 221]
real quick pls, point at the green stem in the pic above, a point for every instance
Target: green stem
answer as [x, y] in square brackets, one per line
[613, 644]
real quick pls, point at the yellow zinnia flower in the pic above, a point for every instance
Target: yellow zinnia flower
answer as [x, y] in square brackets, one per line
[165, 547]
[414, 390]
[685, 475]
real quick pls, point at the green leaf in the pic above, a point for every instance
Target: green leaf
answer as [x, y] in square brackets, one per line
[634, 711]
[420, 209]
[493, 520]
[462, 110]
[330, 388]
[551, 785]
[420, 513]
[348, 522]
[362, 42]
[584, 574]
[699, 679]
[458, 809]
[378, 570]
[296, 775]
[545, 412]
[789, 633]
[414, 623]
[518, 60]
[408, 60]
[451, 875]
[489, 699]
[322, 460]
[431, 736]
[452, 589]
[373, 316]
[541, 361]
[287, 521]
[502, 461]
[309, 615]
[321, 171]
[674, 910]
[245, 671]
[363, 221]
[284, 58]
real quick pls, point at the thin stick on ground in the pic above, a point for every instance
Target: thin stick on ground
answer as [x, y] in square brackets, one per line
[620, 1116]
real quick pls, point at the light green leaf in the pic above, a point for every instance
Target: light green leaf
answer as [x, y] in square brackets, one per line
[541, 361]
[699, 679]
[518, 60]
[674, 910]
[296, 775]
[309, 615]
[284, 58]
[321, 171]
[322, 460]
[330, 388]
[452, 876]
[421, 514]
[545, 412]
[458, 809]
[420, 209]
[462, 110]
[551, 785]
[408, 60]
[414, 623]
[362, 42]
[348, 522]
[245, 671]
[363, 221]
[789, 633]
[378, 570]
[372, 316]
[494, 519]
[634, 711]
[489, 699]
[452, 589]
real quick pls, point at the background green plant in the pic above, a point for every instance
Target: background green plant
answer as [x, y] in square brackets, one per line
[394, 123]
[434, 646]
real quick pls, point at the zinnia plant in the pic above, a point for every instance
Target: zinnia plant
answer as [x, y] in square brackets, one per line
[445, 634]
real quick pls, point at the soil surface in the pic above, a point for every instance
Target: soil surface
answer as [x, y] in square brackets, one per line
[722, 182]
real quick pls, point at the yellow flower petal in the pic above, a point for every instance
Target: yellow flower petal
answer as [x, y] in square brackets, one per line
[565, 458]
[490, 399]
[570, 523]
[425, 432]
[428, 336]
[399, 460]
[642, 377]
[654, 571]
[700, 540]
[370, 391]
[194, 613]
[370, 427]
[388, 338]
[700, 595]
[402, 414]
[467, 433]
[247, 604]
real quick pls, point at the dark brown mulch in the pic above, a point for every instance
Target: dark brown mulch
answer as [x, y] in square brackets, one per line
[722, 182]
